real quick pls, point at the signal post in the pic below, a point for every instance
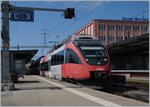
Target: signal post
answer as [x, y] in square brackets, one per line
[28, 16]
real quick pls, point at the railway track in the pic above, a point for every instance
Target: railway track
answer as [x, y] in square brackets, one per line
[132, 91]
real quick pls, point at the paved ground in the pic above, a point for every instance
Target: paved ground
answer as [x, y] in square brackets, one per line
[41, 91]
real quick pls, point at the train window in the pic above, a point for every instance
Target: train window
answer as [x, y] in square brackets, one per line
[71, 57]
[94, 55]
[53, 61]
[49, 63]
[44, 66]
[61, 57]
[58, 58]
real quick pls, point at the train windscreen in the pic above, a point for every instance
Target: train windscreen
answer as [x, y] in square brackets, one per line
[94, 53]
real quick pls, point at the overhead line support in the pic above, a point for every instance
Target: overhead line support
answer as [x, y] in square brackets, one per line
[33, 8]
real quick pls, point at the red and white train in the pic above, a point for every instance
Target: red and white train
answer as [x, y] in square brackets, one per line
[83, 57]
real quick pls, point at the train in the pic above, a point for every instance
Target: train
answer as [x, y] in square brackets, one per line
[83, 57]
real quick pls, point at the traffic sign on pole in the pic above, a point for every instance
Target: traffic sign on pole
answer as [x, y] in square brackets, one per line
[22, 15]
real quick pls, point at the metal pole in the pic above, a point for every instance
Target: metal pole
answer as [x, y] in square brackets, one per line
[39, 9]
[5, 41]
[44, 33]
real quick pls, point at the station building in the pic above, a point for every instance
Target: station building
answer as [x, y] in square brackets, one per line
[110, 31]
[127, 42]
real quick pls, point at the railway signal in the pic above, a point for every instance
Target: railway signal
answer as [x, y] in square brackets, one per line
[69, 13]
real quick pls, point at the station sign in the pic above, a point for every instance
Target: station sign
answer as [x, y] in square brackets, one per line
[22, 15]
[134, 19]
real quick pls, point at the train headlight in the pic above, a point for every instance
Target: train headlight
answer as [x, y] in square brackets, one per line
[86, 59]
[105, 59]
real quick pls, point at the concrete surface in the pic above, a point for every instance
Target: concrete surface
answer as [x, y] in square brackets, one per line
[42, 91]
[7, 86]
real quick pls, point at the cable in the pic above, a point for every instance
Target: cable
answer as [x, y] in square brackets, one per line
[89, 7]
[142, 13]
[125, 9]
[130, 6]
[61, 22]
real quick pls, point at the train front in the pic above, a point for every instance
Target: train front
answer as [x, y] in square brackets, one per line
[95, 59]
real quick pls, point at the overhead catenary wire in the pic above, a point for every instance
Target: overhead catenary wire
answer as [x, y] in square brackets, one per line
[103, 16]
[117, 13]
[69, 26]
[81, 13]
[125, 9]
[142, 13]
[61, 23]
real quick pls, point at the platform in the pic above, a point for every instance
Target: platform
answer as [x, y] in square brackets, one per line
[42, 91]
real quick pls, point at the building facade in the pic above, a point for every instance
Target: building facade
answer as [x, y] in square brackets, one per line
[110, 31]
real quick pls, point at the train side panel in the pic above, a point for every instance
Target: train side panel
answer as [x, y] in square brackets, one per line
[56, 72]
[75, 71]
[81, 72]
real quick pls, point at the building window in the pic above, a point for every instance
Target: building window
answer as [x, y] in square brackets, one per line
[119, 27]
[144, 28]
[102, 38]
[136, 28]
[110, 27]
[119, 38]
[102, 27]
[111, 39]
[127, 27]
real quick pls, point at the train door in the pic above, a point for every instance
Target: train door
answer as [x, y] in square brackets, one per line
[46, 68]
[66, 67]
[42, 69]
[55, 67]
[49, 68]
[72, 64]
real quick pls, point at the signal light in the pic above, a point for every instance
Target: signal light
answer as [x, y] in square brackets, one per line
[69, 13]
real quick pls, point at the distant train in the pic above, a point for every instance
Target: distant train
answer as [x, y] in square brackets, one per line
[83, 57]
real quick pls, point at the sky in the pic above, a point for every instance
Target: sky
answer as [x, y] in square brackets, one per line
[59, 28]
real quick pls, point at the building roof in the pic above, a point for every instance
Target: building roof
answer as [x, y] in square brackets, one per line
[123, 21]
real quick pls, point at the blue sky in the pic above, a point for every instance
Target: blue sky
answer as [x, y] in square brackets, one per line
[29, 33]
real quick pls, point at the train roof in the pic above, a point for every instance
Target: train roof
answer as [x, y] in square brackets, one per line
[88, 42]
[78, 39]
[73, 38]
[83, 37]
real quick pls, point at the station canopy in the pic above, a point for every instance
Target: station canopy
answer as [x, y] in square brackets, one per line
[27, 55]
[139, 44]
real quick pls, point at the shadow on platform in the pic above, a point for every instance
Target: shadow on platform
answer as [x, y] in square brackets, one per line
[28, 81]
[38, 88]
